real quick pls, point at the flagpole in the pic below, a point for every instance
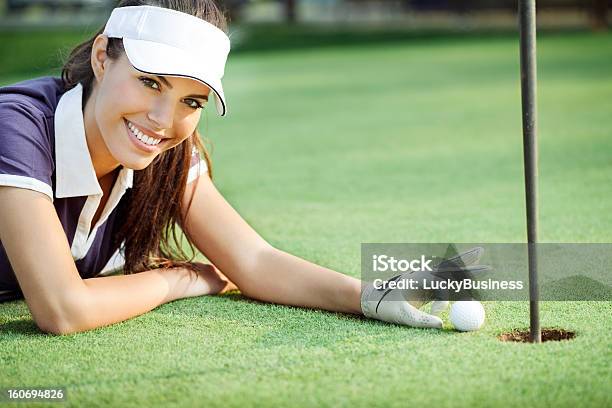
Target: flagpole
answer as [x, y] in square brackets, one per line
[527, 25]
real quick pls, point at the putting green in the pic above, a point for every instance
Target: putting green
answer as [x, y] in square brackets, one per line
[324, 149]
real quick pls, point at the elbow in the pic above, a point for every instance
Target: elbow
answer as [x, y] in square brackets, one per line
[58, 327]
[68, 319]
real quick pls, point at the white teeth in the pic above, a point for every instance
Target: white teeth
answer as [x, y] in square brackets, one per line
[142, 137]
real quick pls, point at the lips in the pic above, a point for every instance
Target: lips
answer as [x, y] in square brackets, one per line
[139, 143]
[144, 136]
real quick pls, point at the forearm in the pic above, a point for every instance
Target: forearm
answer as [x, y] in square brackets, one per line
[112, 299]
[279, 277]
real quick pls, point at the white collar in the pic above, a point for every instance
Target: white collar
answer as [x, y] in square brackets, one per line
[74, 172]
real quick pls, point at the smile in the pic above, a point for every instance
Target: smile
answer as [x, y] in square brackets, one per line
[141, 141]
[141, 136]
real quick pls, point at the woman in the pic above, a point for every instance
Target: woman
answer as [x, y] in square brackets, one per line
[130, 100]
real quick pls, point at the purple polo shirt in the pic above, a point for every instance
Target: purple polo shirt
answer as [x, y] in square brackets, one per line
[43, 148]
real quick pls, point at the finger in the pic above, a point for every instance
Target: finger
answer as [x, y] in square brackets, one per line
[222, 287]
[414, 317]
[229, 286]
[469, 257]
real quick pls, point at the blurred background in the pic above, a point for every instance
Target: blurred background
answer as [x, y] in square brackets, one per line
[463, 14]
[274, 24]
[364, 120]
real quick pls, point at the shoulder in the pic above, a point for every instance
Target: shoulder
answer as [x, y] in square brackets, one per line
[39, 95]
[27, 109]
[27, 150]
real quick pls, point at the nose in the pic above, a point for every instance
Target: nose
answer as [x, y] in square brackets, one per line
[162, 113]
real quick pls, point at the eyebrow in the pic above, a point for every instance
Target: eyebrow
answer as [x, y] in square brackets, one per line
[169, 85]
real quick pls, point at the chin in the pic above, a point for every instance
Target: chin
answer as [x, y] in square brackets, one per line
[140, 165]
[134, 163]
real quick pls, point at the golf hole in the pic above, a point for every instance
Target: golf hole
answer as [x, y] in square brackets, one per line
[522, 336]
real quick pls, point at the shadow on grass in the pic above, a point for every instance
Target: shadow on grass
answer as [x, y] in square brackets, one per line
[302, 323]
[295, 326]
[236, 296]
[235, 303]
[24, 327]
[14, 309]
[305, 328]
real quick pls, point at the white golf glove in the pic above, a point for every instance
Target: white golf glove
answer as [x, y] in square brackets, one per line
[391, 306]
[394, 306]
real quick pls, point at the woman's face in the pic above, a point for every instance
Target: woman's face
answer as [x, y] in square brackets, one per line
[140, 115]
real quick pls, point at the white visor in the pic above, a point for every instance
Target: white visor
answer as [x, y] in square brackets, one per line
[167, 42]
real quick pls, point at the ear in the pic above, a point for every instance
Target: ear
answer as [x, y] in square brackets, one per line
[99, 57]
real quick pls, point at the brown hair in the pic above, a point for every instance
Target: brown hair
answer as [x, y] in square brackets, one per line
[156, 195]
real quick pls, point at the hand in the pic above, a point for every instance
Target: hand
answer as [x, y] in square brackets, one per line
[468, 264]
[204, 279]
[401, 306]
[395, 308]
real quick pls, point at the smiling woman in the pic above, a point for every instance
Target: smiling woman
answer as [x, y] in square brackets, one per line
[110, 145]
[113, 69]
[108, 158]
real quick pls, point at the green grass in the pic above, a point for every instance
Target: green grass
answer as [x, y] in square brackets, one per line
[324, 149]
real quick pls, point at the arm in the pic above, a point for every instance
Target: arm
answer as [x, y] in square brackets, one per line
[268, 274]
[259, 270]
[286, 279]
[59, 300]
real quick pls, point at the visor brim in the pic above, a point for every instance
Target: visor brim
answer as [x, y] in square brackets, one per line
[160, 59]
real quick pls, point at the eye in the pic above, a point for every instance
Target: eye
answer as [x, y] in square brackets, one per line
[192, 103]
[151, 83]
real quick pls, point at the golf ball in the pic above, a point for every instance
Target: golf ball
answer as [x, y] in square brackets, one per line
[467, 315]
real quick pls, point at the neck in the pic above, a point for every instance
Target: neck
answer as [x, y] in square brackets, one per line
[103, 162]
